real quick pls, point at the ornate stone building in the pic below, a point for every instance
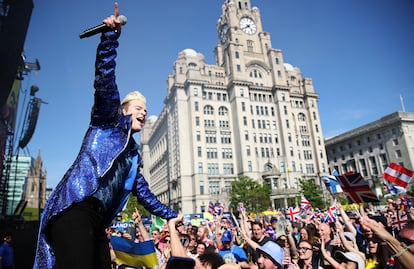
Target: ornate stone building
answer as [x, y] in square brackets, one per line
[249, 114]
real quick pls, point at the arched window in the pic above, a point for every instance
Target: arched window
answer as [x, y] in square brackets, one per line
[192, 65]
[223, 111]
[301, 117]
[208, 110]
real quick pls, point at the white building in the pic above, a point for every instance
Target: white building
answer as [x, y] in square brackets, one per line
[369, 149]
[249, 114]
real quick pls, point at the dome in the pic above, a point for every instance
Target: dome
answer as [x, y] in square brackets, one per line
[288, 67]
[190, 52]
[151, 119]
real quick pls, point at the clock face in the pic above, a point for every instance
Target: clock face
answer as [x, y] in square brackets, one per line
[223, 33]
[248, 26]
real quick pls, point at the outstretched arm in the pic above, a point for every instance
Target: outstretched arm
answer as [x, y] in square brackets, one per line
[149, 200]
[107, 101]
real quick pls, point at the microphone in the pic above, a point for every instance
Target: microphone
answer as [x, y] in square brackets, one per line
[101, 28]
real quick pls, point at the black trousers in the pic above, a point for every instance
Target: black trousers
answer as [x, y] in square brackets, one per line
[78, 237]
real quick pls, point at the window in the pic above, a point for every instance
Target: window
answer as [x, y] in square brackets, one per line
[211, 153]
[307, 154]
[199, 153]
[223, 111]
[209, 123]
[197, 121]
[237, 55]
[238, 68]
[310, 169]
[200, 169]
[227, 153]
[228, 168]
[250, 45]
[398, 153]
[201, 187]
[225, 138]
[214, 187]
[212, 168]
[255, 74]
[195, 91]
[196, 106]
[211, 138]
[277, 60]
[198, 136]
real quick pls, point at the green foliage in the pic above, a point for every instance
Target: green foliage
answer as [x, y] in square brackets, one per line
[254, 196]
[132, 203]
[313, 193]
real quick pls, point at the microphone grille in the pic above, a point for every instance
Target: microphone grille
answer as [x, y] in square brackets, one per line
[122, 19]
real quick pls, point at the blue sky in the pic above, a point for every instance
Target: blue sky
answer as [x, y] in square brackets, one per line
[359, 54]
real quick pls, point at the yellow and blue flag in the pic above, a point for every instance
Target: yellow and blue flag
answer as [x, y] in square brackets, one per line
[134, 254]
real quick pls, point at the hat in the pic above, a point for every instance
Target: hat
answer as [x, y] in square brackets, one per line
[351, 256]
[272, 250]
[349, 236]
[227, 236]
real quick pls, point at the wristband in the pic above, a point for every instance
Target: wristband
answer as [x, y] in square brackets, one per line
[405, 248]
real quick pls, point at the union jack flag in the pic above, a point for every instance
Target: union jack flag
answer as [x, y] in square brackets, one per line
[331, 213]
[305, 204]
[292, 214]
[216, 209]
[356, 188]
[315, 214]
[399, 221]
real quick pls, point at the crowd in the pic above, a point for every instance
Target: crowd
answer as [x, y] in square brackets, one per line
[357, 238]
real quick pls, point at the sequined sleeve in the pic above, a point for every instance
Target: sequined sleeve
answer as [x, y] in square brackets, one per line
[106, 108]
[149, 200]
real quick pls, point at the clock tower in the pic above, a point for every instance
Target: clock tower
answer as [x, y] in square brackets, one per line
[244, 49]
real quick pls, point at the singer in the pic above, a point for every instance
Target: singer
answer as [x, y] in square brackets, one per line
[97, 185]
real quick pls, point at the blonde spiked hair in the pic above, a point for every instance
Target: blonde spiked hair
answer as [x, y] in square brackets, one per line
[135, 95]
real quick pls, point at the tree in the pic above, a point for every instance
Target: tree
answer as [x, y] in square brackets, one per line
[132, 203]
[254, 196]
[313, 193]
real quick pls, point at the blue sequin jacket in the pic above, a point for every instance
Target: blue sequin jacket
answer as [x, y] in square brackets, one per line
[108, 136]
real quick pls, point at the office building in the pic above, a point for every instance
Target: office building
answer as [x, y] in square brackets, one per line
[369, 149]
[249, 114]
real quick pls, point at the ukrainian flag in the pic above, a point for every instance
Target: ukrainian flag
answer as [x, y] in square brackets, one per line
[134, 254]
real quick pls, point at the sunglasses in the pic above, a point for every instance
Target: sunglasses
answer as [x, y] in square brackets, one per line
[303, 249]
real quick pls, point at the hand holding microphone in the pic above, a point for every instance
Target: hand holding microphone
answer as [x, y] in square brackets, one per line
[112, 22]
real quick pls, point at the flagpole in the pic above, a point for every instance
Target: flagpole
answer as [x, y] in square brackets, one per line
[402, 103]
[323, 190]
